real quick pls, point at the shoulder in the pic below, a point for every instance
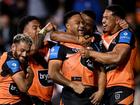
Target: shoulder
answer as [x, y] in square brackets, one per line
[57, 51]
[125, 36]
[125, 32]
[14, 65]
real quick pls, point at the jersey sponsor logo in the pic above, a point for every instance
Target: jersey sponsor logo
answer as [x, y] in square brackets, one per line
[76, 78]
[54, 52]
[13, 65]
[125, 36]
[44, 78]
[13, 89]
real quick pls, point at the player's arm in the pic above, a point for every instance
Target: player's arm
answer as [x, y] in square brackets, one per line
[117, 55]
[23, 81]
[54, 70]
[97, 96]
[101, 80]
[50, 27]
[137, 62]
[55, 74]
[55, 35]
[57, 55]
[64, 37]
[69, 38]
[51, 31]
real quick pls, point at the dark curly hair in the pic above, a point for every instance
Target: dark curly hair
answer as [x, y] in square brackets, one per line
[24, 21]
[117, 10]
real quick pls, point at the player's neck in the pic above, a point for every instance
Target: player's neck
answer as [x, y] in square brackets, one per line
[115, 30]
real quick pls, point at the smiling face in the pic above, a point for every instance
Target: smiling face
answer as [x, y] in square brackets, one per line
[21, 50]
[108, 21]
[75, 25]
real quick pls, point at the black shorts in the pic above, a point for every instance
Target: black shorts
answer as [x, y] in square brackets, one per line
[118, 95]
[69, 97]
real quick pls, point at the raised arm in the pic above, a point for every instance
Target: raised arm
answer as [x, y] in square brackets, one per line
[47, 29]
[69, 38]
[50, 29]
[64, 37]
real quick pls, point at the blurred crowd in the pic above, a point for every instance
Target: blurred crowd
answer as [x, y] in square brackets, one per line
[11, 11]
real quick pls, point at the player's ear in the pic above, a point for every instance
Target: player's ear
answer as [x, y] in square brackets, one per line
[13, 47]
[67, 25]
[118, 19]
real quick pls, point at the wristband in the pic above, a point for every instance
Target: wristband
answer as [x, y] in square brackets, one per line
[43, 31]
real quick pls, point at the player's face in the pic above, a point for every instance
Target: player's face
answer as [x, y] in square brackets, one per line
[88, 24]
[32, 29]
[75, 25]
[21, 51]
[108, 21]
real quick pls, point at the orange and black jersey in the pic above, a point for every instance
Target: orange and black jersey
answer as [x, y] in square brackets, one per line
[62, 52]
[42, 86]
[124, 36]
[10, 66]
[120, 75]
[75, 68]
[9, 92]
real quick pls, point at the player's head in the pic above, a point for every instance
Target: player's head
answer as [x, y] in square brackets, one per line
[89, 18]
[29, 25]
[111, 17]
[21, 46]
[74, 23]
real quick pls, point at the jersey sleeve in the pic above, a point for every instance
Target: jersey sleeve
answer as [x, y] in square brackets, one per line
[125, 36]
[14, 66]
[57, 53]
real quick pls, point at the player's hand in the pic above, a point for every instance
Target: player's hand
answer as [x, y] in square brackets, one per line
[77, 87]
[123, 24]
[96, 97]
[49, 27]
[84, 52]
[85, 41]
